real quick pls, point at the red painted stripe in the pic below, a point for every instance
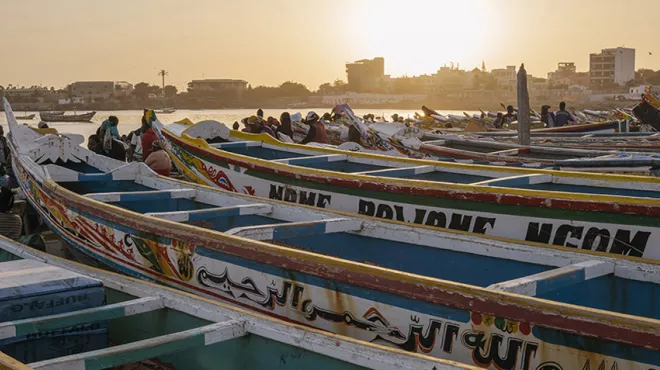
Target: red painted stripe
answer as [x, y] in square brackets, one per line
[540, 201]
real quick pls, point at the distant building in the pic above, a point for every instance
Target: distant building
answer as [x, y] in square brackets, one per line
[611, 67]
[217, 86]
[506, 77]
[566, 75]
[99, 90]
[365, 75]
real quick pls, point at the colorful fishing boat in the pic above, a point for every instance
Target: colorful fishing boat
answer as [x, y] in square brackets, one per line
[614, 213]
[521, 305]
[153, 327]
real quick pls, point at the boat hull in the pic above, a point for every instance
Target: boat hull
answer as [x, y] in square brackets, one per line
[382, 310]
[87, 117]
[592, 225]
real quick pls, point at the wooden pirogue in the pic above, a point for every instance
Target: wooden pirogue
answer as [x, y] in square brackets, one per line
[143, 320]
[611, 213]
[495, 303]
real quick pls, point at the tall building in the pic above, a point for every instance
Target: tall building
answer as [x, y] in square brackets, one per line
[507, 78]
[610, 67]
[566, 75]
[365, 75]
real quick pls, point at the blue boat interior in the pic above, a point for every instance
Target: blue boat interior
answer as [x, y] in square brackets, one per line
[472, 177]
[607, 292]
[102, 327]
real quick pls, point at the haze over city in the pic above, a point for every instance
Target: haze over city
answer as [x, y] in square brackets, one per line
[268, 42]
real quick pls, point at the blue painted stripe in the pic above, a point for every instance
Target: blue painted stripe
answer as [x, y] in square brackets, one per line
[133, 197]
[198, 216]
[560, 281]
[95, 176]
[293, 231]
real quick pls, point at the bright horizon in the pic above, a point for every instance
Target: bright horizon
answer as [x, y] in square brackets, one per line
[54, 43]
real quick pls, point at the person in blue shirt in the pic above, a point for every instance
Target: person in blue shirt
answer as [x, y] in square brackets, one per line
[563, 117]
[111, 124]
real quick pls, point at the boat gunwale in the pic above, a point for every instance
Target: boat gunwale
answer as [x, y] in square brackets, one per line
[618, 327]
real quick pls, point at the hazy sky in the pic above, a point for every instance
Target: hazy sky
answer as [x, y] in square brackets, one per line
[55, 42]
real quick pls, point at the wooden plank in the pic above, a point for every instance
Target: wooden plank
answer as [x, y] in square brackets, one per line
[236, 144]
[148, 348]
[562, 277]
[516, 181]
[19, 328]
[399, 172]
[208, 213]
[313, 159]
[8, 363]
[507, 152]
[132, 196]
[296, 229]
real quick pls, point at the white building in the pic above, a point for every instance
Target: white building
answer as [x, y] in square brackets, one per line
[615, 66]
[506, 78]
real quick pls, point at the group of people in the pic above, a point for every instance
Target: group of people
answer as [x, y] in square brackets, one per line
[274, 127]
[562, 117]
[139, 145]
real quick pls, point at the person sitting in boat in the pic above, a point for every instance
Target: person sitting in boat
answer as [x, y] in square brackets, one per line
[42, 124]
[285, 125]
[107, 132]
[510, 115]
[498, 120]
[316, 133]
[147, 138]
[547, 117]
[158, 160]
[10, 223]
[563, 117]
[135, 146]
[236, 126]
[4, 152]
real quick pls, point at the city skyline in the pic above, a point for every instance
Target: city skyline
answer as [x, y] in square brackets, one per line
[306, 42]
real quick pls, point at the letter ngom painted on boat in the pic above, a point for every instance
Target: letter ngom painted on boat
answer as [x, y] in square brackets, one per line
[292, 195]
[620, 241]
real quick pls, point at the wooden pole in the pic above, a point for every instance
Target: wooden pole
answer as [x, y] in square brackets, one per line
[523, 107]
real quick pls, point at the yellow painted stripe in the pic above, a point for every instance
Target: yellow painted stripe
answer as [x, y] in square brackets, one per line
[8, 363]
[202, 144]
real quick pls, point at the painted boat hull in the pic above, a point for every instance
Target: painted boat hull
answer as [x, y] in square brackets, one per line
[510, 213]
[391, 309]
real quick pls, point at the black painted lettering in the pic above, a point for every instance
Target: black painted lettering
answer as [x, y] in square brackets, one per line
[398, 213]
[460, 222]
[290, 195]
[366, 208]
[567, 231]
[451, 333]
[528, 354]
[297, 293]
[275, 192]
[324, 200]
[480, 224]
[384, 211]
[538, 234]
[437, 219]
[305, 199]
[635, 247]
[420, 214]
[595, 234]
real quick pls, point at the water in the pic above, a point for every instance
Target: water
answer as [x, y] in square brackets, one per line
[130, 119]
